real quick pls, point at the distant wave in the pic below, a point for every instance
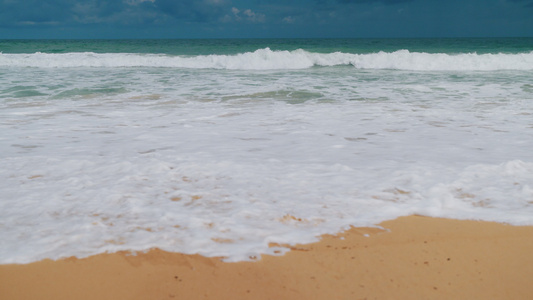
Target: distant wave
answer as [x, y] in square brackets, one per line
[266, 59]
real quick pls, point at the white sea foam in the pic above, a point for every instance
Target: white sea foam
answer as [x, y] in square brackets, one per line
[266, 59]
[224, 163]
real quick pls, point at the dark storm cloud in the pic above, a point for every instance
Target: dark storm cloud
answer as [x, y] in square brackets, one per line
[527, 3]
[333, 2]
[268, 18]
[28, 12]
[35, 12]
[32, 11]
[192, 10]
[374, 1]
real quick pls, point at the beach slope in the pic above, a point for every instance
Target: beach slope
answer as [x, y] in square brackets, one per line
[414, 258]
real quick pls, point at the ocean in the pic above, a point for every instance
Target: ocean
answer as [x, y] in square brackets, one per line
[222, 147]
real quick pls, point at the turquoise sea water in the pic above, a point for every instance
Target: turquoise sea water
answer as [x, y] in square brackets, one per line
[234, 46]
[112, 145]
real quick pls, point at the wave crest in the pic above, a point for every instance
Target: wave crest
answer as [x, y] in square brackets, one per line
[267, 59]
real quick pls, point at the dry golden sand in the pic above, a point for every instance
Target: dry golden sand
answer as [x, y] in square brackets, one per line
[418, 258]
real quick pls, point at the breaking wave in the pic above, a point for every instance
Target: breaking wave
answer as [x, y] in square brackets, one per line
[267, 59]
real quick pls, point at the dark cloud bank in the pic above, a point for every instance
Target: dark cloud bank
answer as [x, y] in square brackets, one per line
[258, 18]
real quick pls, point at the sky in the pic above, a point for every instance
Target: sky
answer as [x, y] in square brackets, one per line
[264, 19]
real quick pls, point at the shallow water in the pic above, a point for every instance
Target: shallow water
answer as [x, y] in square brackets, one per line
[119, 146]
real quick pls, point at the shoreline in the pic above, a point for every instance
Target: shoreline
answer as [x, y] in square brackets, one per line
[415, 257]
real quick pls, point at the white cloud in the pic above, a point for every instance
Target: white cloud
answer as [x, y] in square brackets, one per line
[37, 23]
[248, 15]
[137, 2]
[236, 12]
[226, 19]
[215, 2]
[288, 19]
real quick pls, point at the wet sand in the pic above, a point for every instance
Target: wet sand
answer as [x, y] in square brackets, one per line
[415, 258]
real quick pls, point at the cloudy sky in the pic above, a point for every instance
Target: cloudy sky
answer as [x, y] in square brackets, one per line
[264, 18]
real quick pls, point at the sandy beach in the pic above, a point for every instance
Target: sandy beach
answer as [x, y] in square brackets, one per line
[414, 258]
